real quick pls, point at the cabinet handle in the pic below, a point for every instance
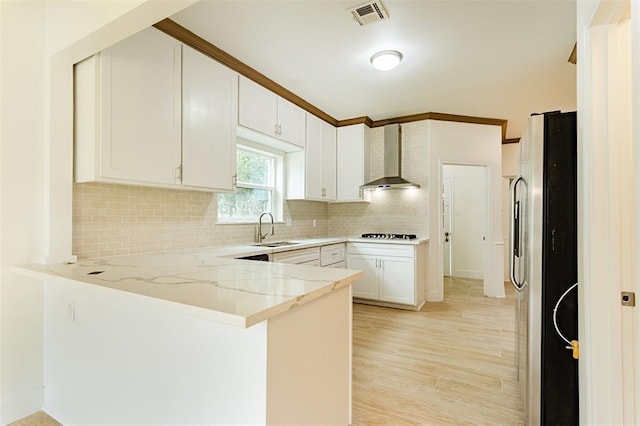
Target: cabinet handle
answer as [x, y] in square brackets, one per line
[276, 130]
[376, 263]
[234, 181]
[179, 173]
[280, 129]
[324, 192]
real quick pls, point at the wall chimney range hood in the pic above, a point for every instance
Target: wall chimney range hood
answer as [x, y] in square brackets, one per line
[392, 162]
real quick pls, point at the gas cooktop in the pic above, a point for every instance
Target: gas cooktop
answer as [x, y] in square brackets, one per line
[391, 236]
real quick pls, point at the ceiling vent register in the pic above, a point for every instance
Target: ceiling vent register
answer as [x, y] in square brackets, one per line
[369, 12]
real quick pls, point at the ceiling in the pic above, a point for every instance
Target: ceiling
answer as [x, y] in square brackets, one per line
[497, 59]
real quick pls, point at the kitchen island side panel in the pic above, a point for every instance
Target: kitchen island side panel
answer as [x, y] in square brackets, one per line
[113, 361]
[309, 363]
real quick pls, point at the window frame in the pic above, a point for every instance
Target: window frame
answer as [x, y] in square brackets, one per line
[276, 199]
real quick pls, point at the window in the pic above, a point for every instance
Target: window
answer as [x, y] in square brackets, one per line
[258, 187]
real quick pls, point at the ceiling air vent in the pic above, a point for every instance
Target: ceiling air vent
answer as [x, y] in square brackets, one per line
[369, 12]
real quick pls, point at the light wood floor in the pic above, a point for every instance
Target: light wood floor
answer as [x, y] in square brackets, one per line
[450, 363]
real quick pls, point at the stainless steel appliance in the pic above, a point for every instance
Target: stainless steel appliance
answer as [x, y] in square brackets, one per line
[543, 265]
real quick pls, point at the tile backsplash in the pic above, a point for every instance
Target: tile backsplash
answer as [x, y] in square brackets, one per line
[390, 211]
[112, 220]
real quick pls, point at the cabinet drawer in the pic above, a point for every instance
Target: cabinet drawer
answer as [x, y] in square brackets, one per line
[339, 265]
[332, 254]
[297, 256]
[374, 249]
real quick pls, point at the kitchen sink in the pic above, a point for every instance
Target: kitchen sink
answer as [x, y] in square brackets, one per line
[278, 244]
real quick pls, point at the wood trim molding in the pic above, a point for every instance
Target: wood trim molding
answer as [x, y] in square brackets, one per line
[191, 39]
[445, 117]
[357, 120]
[508, 141]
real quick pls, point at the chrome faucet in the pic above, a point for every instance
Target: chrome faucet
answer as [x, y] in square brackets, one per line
[262, 236]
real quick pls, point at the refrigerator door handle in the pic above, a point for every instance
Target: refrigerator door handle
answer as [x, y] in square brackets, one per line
[515, 240]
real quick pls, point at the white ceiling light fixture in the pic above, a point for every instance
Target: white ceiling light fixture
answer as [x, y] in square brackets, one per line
[386, 60]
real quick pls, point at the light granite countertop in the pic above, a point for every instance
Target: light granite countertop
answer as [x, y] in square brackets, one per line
[202, 284]
[211, 283]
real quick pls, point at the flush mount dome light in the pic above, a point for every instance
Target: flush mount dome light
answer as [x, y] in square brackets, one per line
[386, 60]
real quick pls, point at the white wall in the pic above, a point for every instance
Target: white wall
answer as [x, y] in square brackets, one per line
[35, 161]
[22, 86]
[463, 143]
[468, 218]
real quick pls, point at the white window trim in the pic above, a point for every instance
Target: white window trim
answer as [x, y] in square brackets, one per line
[277, 189]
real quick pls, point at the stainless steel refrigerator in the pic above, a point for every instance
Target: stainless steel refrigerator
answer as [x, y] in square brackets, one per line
[544, 268]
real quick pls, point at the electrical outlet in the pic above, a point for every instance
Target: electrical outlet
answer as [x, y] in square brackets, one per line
[288, 221]
[314, 223]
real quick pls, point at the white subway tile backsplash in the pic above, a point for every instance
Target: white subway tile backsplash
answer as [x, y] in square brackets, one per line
[111, 220]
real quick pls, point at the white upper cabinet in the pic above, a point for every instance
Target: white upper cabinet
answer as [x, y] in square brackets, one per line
[352, 154]
[291, 120]
[128, 97]
[311, 174]
[265, 112]
[144, 115]
[209, 102]
[328, 172]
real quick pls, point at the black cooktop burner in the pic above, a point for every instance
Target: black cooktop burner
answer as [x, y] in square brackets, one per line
[391, 236]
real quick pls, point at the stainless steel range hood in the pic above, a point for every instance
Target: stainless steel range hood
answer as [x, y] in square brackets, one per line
[392, 162]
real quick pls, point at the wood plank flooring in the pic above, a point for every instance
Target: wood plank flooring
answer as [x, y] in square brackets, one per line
[450, 363]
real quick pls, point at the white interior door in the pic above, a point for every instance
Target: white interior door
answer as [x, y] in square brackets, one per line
[447, 225]
[468, 219]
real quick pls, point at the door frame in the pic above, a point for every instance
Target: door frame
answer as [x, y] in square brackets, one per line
[608, 253]
[451, 222]
[487, 265]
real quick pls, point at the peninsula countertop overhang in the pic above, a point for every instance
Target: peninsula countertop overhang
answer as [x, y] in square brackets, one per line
[211, 283]
[200, 283]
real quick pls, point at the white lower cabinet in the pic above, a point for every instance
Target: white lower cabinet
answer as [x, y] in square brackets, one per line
[308, 256]
[333, 256]
[392, 273]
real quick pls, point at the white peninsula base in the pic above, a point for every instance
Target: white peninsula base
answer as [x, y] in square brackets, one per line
[111, 360]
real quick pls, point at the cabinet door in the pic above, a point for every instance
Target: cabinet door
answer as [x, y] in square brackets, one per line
[209, 102]
[257, 107]
[313, 158]
[397, 280]
[140, 109]
[367, 286]
[352, 161]
[291, 123]
[328, 172]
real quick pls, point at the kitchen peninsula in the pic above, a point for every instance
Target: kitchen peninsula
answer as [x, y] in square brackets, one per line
[193, 338]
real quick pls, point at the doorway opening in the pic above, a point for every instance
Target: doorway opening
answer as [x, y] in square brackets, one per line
[464, 220]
